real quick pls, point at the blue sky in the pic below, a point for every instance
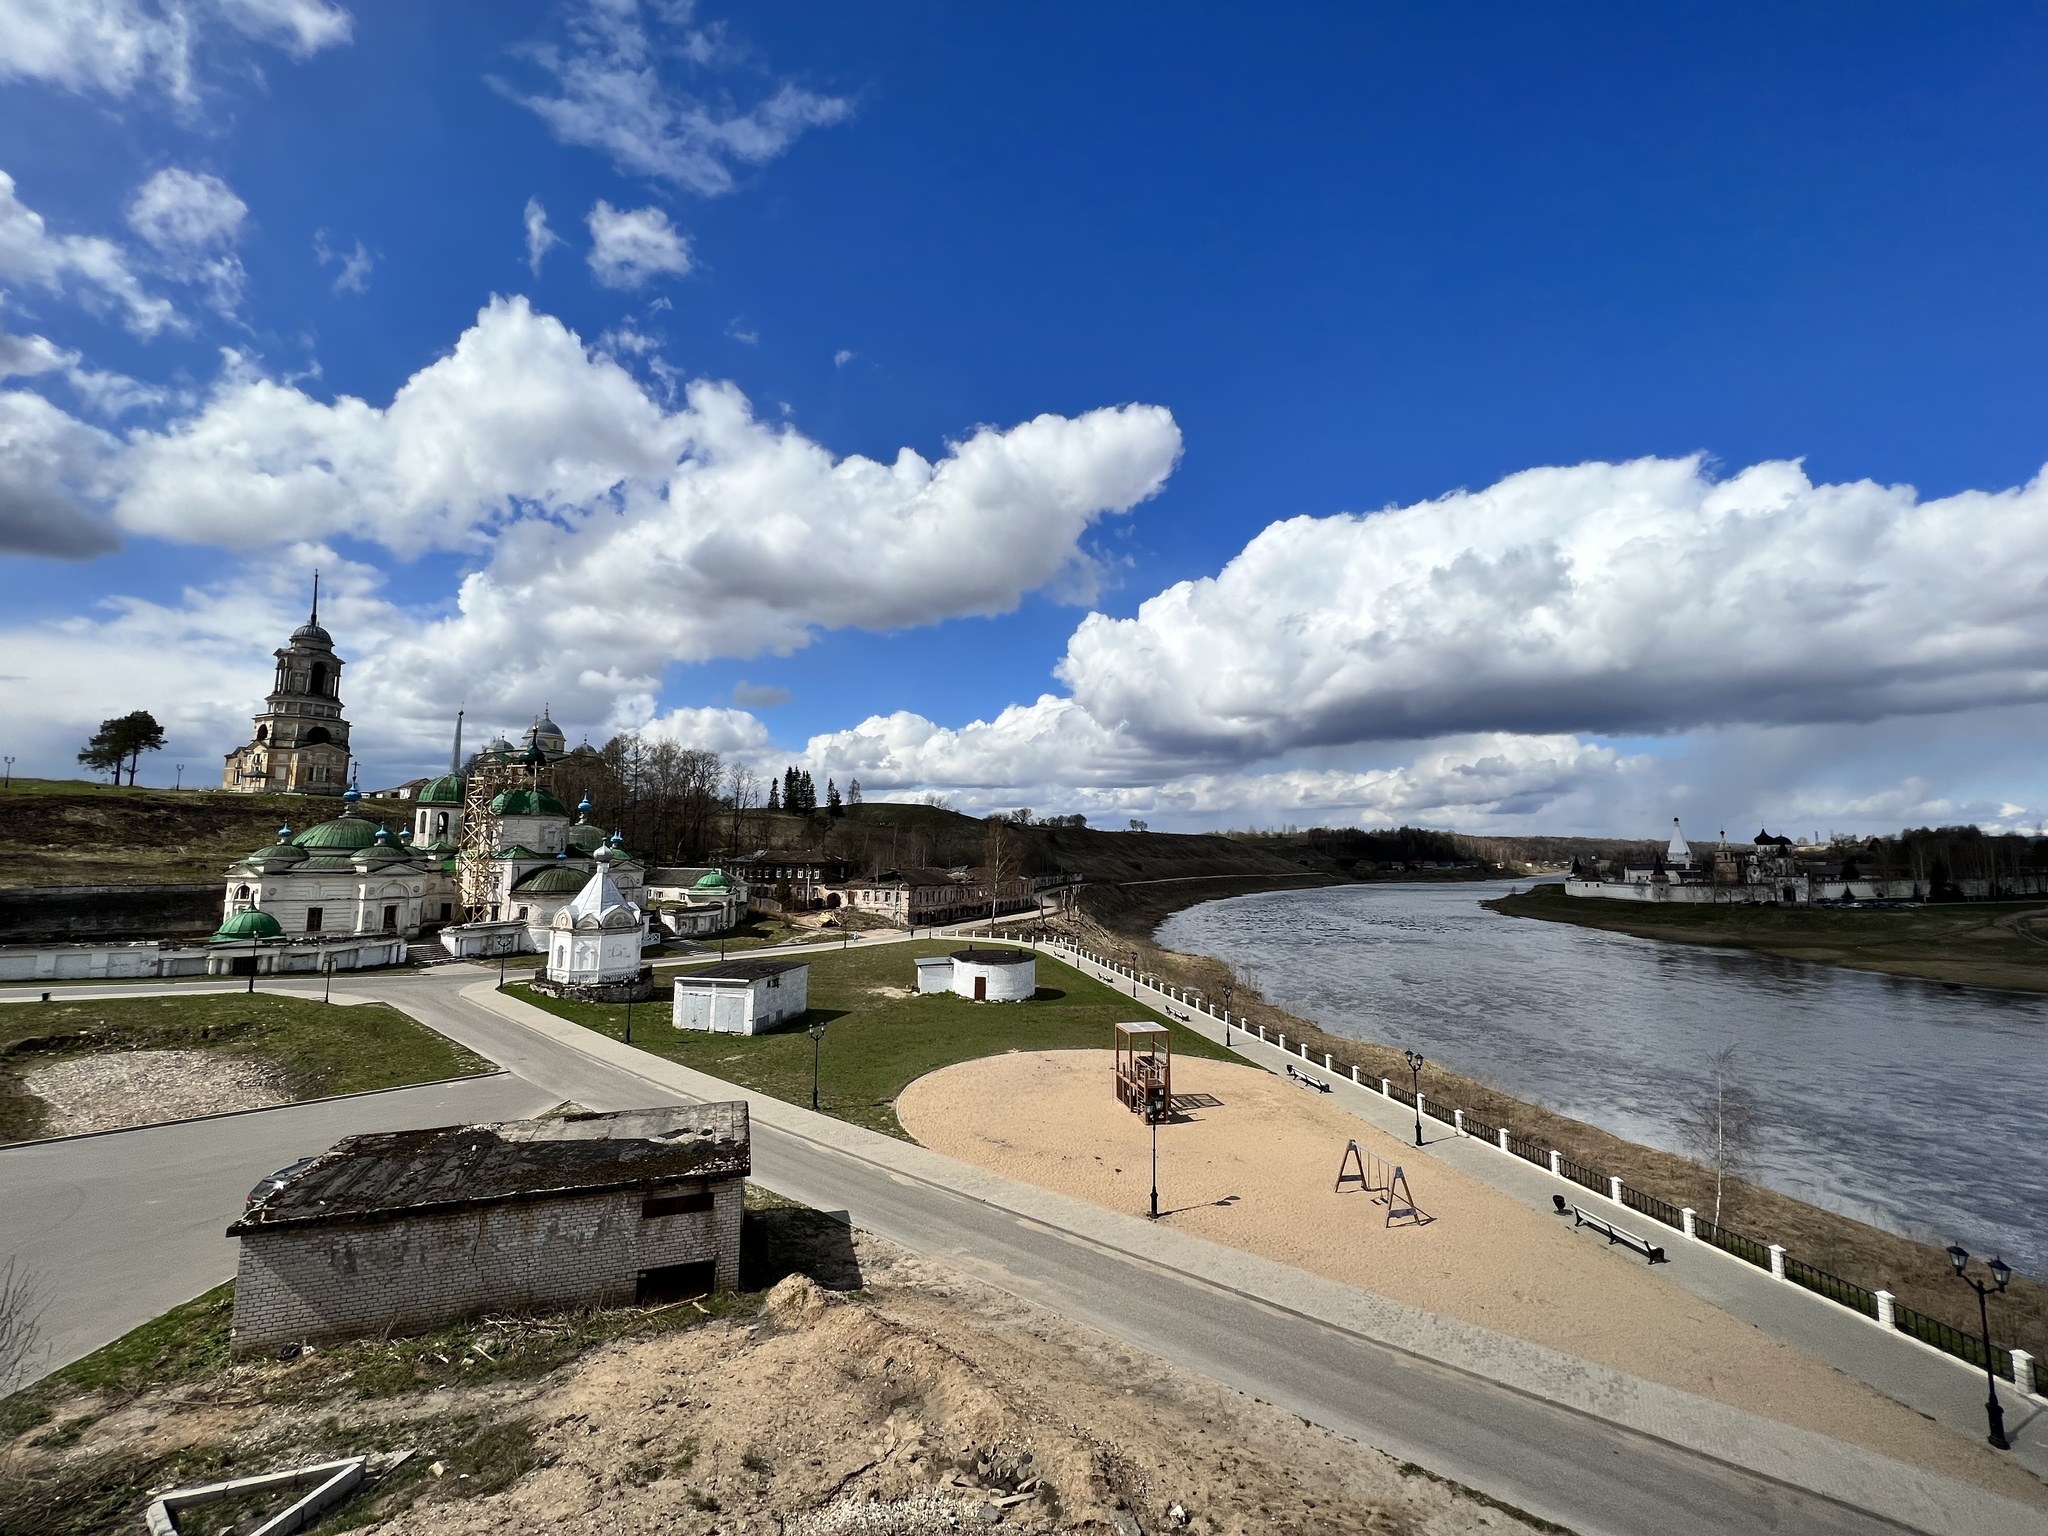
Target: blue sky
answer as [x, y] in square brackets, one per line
[1728, 321]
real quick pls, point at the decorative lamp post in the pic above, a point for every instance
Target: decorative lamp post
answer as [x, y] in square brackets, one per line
[1415, 1076]
[7, 782]
[181, 777]
[817, 1034]
[2001, 1274]
[1229, 992]
[1153, 1116]
[327, 982]
[255, 940]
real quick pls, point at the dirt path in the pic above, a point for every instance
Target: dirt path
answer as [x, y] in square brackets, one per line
[1254, 1170]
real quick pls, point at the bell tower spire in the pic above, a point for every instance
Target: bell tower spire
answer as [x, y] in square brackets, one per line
[455, 757]
[315, 619]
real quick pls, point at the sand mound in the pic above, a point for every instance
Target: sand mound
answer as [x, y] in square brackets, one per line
[1253, 1165]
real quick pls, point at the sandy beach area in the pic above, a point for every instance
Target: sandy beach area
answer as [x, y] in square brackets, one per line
[1252, 1165]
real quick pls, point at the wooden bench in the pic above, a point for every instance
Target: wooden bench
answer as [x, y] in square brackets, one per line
[1308, 1082]
[1581, 1217]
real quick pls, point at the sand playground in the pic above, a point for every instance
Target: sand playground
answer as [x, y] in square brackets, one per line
[1251, 1163]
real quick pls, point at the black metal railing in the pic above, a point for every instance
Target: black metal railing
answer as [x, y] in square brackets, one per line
[1652, 1207]
[1529, 1151]
[1437, 1112]
[1747, 1248]
[1579, 1173]
[1834, 1287]
[1965, 1346]
[1474, 1126]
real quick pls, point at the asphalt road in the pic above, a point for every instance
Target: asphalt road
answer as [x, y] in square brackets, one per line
[126, 1225]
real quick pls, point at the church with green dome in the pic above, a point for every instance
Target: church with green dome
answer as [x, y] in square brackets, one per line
[352, 875]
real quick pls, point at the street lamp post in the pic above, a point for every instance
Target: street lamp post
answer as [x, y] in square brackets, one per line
[629, 1021]
[181, 777]
[327, 983]
[7, 782]
[254, 941]
[817, 1033]
[1415, 1076]
[1229, 992]
[1154, 1118]
[2000, 1275]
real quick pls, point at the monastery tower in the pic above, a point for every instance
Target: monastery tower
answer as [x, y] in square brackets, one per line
[301, 741]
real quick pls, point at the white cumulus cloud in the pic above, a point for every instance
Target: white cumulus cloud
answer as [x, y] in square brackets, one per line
[610, 95]
[193, 220]
[115, 46]
[90, 268]
[1611, 598]
[631, 247]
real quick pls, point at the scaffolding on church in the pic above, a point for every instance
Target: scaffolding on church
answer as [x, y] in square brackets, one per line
[475, 862]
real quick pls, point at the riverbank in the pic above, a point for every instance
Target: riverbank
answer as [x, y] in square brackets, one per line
[1917, 1272]
[1975, 944]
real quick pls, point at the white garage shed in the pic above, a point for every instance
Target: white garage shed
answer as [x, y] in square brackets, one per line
[742, 997]
[934, 973]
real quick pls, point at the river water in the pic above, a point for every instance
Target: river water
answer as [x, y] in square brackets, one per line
[1902, 1103]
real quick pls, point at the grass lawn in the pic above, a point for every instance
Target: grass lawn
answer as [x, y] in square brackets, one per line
[877, 1041]
[1982, 944]
[314, 1048]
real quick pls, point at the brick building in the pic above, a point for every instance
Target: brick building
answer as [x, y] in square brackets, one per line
[402, 1231]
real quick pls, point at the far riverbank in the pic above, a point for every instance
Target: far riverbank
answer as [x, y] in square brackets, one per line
[1975, 944]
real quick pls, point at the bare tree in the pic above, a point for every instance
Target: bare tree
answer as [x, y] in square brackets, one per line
[1719, 1125]
[742, 789]
[1004, 856]
[21, 1337]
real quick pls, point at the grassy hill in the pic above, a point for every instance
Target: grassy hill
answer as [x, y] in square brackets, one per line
[70, 832]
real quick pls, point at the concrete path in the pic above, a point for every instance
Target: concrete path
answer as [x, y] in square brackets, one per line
[124, 1225]
[1925, 1379]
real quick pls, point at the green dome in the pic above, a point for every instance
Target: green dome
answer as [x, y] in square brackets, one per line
[246, 926]
[711, 882]
[528, 802]
[585, 838]
[561, 880]
[276, 856]
[446, 790]
[347, 831]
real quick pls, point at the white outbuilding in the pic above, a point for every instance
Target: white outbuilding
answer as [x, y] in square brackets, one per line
[934, 974]
[995, 975]
[742, 997]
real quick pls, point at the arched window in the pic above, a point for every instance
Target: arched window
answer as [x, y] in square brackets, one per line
[241, 893]
[262, 733]
[441, 825]
[318, 737]
[319, 677]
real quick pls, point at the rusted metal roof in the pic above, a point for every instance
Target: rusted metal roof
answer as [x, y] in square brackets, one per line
[399, 1173]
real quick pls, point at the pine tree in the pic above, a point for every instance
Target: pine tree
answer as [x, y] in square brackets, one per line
[774, 794]
[808, 791]
[832, 804]
[792, 791]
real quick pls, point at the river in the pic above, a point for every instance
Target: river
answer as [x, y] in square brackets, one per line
[1903, 1103]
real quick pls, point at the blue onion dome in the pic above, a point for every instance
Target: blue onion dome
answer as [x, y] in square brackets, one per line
[385, 839]
[284, 833]
[618, 839]
[583, 808]
[563, 854]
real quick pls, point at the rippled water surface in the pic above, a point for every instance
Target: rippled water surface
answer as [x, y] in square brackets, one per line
[1901, 1102]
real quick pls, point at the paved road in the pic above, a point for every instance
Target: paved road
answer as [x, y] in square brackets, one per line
[1581, 1472]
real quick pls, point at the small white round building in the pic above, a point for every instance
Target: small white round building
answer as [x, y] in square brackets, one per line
[995, 975]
